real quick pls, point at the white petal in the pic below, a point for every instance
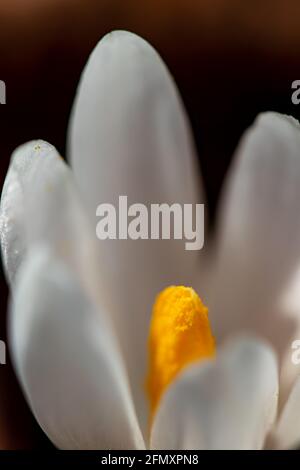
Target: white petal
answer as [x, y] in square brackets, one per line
[30, 163]
[68, 362]
[227, 404]
[259, 234]
[287, 433]
[40, 204]
[129, 136]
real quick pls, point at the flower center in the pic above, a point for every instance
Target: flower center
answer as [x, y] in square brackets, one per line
[179, 335]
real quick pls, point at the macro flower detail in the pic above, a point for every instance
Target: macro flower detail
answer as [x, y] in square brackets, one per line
[80, 328]
[179, 335]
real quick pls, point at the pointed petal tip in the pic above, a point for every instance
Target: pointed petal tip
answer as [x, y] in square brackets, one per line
[29, 149]
[274, 118]
[123, 39]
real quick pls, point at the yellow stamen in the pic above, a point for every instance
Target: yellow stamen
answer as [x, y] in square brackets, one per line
[179, 335]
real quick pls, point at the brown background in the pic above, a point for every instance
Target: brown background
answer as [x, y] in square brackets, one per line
[231, 59]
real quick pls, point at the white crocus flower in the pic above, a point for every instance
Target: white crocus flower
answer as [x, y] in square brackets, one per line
[80, 308]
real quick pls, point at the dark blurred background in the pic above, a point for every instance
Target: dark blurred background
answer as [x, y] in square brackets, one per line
[231, 59]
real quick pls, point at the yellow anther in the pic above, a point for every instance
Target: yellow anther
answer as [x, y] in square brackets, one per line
[179, 335]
